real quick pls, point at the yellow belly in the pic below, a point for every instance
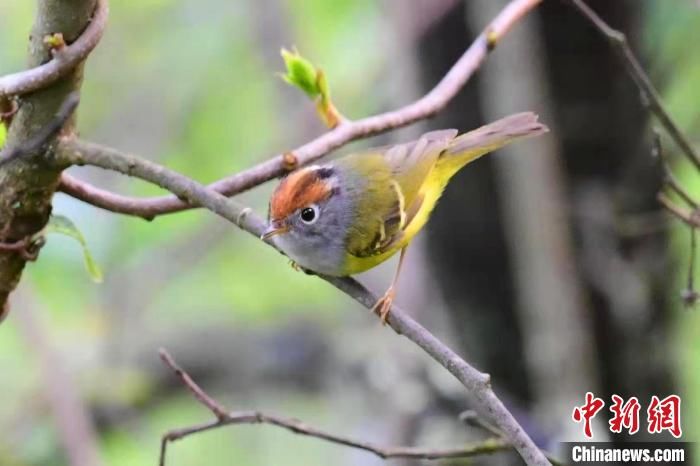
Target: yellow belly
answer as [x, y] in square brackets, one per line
[431, 191]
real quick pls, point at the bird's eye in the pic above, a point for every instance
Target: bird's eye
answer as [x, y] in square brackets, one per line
[309, 214]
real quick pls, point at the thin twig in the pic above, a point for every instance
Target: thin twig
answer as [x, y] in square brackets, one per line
[423, 108]
[44, 136]
[224, 418]
[689, 217]
[689, 295]
[670, 179]
[201, 396]
[474, 419]
[672, 182]
[74, 152]
[64, 60]
[650, 96]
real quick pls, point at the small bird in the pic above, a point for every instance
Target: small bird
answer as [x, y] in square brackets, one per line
[354, 213]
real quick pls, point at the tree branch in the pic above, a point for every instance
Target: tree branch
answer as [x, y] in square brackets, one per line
[224, 418]
[75, 152]
[64, 59]
[690, 217]
[650, 96]
[347, 131]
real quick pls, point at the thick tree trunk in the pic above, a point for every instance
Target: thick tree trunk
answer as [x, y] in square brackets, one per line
[27, 184]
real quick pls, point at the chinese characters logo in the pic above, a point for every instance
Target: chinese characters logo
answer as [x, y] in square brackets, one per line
[662, 414]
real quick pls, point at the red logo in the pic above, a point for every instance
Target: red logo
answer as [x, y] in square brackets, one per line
[665, 415]
[587, 412]
[624, 415]
[662, 415]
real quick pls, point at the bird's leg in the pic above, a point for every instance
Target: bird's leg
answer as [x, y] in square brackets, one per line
[384, 303]
[299, 268]
[294, 265]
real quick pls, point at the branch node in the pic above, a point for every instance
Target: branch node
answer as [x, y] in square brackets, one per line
[55, 42]
[491, 38]
[201, 396]
[241, 217]
[289, 161]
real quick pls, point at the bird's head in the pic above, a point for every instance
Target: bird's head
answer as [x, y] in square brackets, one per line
[301, 201]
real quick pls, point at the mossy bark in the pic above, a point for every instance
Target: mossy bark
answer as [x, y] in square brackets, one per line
[27, 184]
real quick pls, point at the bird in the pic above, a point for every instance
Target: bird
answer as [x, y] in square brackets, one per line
[350, 215]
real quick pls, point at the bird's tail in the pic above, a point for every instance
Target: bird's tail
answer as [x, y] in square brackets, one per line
[472, 145]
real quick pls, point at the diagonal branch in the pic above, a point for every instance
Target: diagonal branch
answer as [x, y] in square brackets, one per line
[650, 96]
[347, 131]
[223, 418]
[75, 152]
[64, 60]
[689, 217]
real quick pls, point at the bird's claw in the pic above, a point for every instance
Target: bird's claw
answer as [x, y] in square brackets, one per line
[295, 266]
[383, 305]
[299, 268]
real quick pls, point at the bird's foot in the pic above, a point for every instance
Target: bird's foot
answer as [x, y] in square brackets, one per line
[383, 305]
[295, 266]
[299, 268]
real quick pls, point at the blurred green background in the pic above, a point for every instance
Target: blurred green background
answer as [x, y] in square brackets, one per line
[194, 85]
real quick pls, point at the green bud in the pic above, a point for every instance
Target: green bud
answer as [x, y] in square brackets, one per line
[300, 73]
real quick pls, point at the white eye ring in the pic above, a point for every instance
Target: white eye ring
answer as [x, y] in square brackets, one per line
[309, 214]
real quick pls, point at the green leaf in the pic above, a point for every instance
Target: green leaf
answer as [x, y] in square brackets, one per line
[300, 73]
[3, 135]
[64, 226]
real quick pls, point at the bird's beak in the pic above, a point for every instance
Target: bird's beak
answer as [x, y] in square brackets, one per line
[275, 228]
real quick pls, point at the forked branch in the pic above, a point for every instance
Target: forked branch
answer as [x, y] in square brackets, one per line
[65, 59]
[225, 418]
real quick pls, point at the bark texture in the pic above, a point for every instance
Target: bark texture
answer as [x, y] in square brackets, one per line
[27, 184]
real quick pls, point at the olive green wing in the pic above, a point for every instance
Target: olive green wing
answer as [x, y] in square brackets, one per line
[411, 165]
[412, 162]
[392, 178]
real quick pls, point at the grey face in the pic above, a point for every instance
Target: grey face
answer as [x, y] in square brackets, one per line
[316, 236]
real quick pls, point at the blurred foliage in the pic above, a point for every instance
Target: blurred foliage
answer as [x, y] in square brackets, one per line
[190, 86]
[672, 28]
